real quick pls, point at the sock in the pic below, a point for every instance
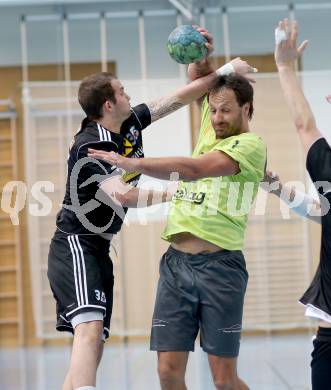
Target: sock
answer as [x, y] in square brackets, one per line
[86, 388]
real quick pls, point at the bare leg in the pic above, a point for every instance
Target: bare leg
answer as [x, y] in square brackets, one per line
[224, 371]
[171, 369]
[67, 385]
[86, 354]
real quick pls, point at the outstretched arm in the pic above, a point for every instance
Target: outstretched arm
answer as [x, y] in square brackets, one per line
[122, 194]
[286, 55]
[290, 195]
[212, 164]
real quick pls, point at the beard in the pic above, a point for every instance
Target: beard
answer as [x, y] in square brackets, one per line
[228, 129]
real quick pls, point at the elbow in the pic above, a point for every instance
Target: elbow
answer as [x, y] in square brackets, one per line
[192, 174]
[305, 126]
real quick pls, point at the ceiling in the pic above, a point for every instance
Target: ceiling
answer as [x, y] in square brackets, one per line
[185, 3]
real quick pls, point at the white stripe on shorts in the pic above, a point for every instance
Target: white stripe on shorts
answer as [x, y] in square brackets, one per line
[79, 270]
[84, 269]
[75, 270]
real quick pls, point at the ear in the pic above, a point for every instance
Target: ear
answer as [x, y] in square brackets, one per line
[108, 106]
[246, 108]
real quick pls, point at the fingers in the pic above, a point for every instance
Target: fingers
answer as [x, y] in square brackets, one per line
[205, 33]
[328, 99]
[294, 33]
[209, 47]
[210, 40]
[250, 79]
[273, 176]
[111, 157]
[287, 28]
[302, 47]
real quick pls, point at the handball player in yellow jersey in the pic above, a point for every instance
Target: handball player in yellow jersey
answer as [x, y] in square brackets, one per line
[203, 274]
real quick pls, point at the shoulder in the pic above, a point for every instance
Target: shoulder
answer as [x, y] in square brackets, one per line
[92, 132]
[249, 150]
[93, 136]
[248, 141]
[140, 117]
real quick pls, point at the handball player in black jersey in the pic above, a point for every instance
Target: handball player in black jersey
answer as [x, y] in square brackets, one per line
[317, 297]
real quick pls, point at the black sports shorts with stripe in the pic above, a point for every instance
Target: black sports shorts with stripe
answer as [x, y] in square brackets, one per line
[80, 273]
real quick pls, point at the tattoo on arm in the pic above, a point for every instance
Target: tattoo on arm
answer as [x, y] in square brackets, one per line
[162, 107]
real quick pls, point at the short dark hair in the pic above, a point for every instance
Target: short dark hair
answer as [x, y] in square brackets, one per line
[240, 86]
[93, 91]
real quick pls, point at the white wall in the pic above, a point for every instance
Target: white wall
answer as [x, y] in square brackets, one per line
[316, 86]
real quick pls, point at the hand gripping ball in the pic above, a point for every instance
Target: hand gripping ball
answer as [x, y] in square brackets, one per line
[186, 45]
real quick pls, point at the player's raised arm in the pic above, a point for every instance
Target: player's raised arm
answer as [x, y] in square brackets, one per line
[286, 56]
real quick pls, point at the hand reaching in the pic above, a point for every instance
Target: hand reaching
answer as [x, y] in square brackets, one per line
[270, 177]
[243, 68]
[271, 183]
[286, 51]
[128, 164]
[210, 40]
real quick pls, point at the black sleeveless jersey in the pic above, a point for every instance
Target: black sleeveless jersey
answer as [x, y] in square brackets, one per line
[86, 208]
[319, 167]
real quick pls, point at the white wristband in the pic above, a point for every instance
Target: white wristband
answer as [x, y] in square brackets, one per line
[301, 204]
[225, 70]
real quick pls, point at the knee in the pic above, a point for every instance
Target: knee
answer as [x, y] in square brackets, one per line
[169, 373]
[221, 385]
[89, 332]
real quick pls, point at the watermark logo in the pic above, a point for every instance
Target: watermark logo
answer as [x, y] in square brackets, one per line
[194, 199]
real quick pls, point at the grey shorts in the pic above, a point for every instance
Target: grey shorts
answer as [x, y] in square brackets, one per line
[200, 292]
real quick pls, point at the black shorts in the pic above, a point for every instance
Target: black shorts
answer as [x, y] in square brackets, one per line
[200, 292]
[80, 273]
[321, 360]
